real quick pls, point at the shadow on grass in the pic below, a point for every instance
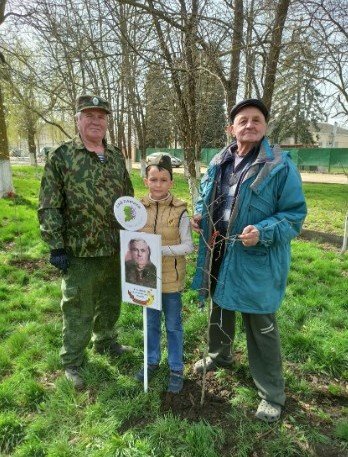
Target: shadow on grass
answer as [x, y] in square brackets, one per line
[38, 266]
[322, 237]
[18, 200]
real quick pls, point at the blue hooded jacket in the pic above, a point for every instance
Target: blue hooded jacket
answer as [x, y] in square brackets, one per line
[252, 279]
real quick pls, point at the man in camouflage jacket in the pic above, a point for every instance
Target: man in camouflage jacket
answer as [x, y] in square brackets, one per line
[81, 181]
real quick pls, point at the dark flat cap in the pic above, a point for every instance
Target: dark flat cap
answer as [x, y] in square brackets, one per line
[249, 102]
[92, 101]
[162, 161]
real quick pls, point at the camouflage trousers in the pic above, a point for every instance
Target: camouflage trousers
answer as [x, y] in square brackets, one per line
[91, 301]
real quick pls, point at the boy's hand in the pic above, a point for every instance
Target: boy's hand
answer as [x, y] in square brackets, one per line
[195, 223]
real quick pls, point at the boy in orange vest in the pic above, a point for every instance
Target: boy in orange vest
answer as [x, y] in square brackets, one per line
[168, 217]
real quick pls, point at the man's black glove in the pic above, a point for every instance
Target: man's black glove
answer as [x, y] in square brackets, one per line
[59, 259]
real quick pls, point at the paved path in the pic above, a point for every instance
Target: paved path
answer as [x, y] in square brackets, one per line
[306, 177]
[324, 178]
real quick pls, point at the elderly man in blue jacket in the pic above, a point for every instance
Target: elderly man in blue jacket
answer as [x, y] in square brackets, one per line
[251, 207]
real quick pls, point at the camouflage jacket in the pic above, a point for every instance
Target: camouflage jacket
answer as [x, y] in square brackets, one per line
[77, 196]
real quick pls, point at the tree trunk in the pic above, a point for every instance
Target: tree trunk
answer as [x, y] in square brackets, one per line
[128, 164]
[6, 185]
[249, 53]
[4, 151]
[193, 188]
[273, 56]
[128, 149]
[143, 167]
[237, 40]
[32, 146]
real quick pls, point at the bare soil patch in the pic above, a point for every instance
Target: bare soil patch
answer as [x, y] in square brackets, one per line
[187, 404]
[217, 408]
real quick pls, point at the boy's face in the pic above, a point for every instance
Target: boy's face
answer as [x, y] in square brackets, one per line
[159, 182]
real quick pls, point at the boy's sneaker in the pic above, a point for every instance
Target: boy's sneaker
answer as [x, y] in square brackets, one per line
[151, 370]
[176, 382]
[73, 375]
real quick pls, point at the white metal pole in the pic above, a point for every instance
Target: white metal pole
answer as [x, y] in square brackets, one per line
[145, 349]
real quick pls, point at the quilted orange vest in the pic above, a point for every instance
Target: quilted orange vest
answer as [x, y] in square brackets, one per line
[163, 218]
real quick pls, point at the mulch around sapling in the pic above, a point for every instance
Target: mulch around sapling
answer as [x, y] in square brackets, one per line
[217, 407]
[187, 404]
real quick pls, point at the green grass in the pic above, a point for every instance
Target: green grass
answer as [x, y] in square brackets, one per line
[327, 207]
[41, 415]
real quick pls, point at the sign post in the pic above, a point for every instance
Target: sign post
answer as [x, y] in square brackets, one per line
[141, 263]
[146, 383]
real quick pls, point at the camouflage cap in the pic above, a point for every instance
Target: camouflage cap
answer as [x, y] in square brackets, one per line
[162, 161]
[92, 101]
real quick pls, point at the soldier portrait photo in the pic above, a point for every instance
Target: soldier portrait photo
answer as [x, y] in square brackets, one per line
[138, 266]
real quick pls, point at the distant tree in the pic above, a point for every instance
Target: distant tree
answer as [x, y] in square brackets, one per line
[179, 52]
[30, 102]
[27, 120]
[211, 107]
[76, 56]
[159, 108]
[132, 75]
[6, 183]
[328, 21]
[298, 103]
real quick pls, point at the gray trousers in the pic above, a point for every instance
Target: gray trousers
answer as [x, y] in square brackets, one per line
[264, 351]
[91, 299]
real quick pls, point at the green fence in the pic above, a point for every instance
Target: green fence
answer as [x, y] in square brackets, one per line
[206, 154]
[332, 160]
[175, 152]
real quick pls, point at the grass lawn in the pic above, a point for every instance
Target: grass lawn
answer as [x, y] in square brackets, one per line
[327, 207]
[42, 415]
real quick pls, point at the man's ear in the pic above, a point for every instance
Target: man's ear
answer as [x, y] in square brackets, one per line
[146, 182]
[230, 130]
